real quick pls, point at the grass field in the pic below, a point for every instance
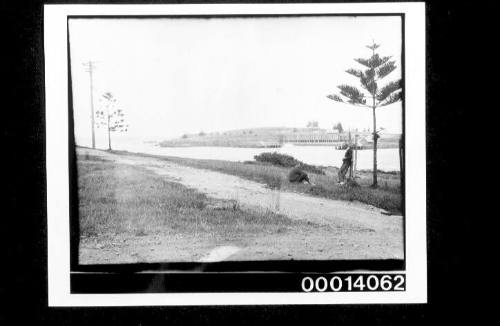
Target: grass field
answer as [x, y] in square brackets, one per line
[387, 196]
[123, 199]
[129, 213]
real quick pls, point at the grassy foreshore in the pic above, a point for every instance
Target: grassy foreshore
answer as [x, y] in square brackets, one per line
[123, 199]
[128, 213]
[387, 196]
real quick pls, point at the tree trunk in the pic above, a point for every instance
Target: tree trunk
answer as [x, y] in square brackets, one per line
[375, 140]
[402, 164]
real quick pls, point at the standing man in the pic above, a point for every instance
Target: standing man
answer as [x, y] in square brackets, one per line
[346, 164]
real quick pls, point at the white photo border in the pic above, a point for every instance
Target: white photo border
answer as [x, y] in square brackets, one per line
[56, 105]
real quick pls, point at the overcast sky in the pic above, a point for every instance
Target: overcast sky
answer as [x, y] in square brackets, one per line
[176, 76]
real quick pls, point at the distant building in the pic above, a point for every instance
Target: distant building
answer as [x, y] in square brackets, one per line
[316, 136]
[313, 124]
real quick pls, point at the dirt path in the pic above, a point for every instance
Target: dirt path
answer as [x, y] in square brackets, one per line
[253, 195]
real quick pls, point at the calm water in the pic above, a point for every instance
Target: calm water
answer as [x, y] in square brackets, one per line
[388, 159]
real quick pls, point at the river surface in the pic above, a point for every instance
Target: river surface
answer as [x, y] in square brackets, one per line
[388, 158]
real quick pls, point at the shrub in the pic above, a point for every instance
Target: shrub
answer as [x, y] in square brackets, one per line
[286, 161]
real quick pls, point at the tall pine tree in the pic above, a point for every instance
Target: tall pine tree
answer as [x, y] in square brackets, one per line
[377, 68]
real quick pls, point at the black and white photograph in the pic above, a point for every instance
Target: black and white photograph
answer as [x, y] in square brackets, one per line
[238, 138]
[225, 141]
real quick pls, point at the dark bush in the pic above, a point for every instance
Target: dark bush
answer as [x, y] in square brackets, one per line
[286, 161]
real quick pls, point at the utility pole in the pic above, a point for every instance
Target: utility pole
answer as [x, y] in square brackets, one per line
[90, 66]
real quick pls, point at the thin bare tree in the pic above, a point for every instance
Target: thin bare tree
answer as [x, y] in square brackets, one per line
[110, 117]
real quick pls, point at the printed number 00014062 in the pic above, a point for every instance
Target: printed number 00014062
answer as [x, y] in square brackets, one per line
[362, 282]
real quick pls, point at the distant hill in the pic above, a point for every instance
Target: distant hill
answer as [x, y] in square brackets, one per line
[257, 137]
[253, 137]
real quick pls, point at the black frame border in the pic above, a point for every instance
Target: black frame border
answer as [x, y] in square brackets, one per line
[212, 271]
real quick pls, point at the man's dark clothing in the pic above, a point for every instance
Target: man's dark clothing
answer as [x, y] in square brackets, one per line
[297, 175]
[346, 164]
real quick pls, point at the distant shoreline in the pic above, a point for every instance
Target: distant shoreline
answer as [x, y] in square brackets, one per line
[380, 145]
[333, 164]
[219, 145]
[277, 137]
